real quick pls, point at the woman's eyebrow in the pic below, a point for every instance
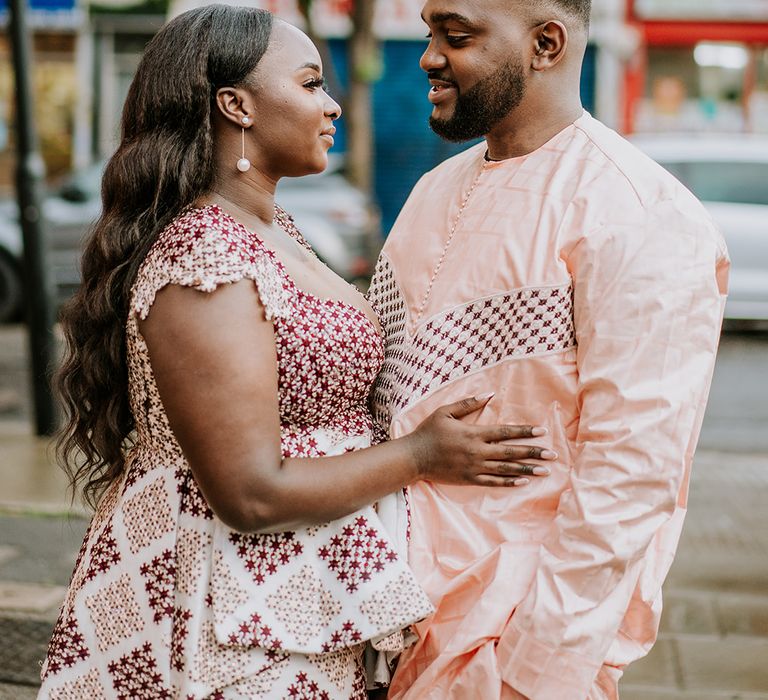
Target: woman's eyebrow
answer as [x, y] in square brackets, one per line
[312, 66]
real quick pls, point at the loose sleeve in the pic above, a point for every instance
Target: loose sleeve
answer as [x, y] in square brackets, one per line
[648, 302]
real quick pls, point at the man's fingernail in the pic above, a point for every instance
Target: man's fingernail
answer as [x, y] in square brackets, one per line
[537, 431]
[541, 471]
[548, 454]
[485, 397]
[522, 482]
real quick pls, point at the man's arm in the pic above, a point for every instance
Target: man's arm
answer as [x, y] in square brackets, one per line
[648, 302]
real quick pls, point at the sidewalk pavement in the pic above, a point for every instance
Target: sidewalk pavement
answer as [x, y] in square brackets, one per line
[713, 643]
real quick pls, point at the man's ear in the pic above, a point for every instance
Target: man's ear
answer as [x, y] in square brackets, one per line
[551, 41]
[232, 104]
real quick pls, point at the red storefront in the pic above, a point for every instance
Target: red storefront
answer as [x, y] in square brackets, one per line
[701, 66]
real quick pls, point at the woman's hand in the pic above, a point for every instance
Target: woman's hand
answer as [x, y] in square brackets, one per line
[450, 451]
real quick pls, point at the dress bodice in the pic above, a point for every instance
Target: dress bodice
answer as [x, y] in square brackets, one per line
[328, 351]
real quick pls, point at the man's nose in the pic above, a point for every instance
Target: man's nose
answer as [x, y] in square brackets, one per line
[432, 58]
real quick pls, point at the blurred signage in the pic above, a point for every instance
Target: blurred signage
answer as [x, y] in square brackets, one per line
[395, 19]
[703, 10]
[48, 14]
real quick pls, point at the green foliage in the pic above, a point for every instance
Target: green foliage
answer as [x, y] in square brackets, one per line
[370, 68]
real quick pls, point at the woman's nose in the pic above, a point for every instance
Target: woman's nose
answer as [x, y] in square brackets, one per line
[332, 108]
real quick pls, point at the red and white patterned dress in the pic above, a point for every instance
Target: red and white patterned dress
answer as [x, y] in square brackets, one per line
[168, 602]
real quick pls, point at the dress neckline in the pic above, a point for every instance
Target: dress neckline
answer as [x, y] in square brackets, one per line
[327, 301]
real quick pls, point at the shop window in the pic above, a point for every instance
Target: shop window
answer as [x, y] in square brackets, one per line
[54, 95]
[695, 88]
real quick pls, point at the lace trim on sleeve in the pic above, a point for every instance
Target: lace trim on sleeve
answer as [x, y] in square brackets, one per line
[202, 249]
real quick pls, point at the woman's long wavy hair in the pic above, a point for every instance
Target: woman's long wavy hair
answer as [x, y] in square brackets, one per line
[164, 162]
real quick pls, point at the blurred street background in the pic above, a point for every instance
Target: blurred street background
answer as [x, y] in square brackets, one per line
[686, 80]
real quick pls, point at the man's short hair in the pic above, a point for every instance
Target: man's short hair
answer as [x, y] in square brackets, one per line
[580, 9]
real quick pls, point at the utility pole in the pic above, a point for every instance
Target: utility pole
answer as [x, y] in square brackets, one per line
[29, 176]
[365, 69]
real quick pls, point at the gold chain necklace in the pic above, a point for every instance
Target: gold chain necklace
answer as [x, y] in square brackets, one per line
[456, 220]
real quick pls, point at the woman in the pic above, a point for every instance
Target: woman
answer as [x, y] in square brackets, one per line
[234, 552]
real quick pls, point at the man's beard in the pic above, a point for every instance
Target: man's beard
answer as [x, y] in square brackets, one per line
[484, 105]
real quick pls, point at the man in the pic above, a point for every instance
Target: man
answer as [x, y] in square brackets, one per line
[558, 267]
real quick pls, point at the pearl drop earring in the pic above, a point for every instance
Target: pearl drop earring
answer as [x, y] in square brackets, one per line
[244, 165]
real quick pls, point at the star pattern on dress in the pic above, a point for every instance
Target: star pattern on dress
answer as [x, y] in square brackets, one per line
[103, 555]
[357, 554]
[159, 578]
[164, 590]
[66, 647]
[348, 635]
[135, 676]
[263, 555]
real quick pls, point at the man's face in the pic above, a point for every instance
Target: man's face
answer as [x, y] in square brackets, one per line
[475, 65]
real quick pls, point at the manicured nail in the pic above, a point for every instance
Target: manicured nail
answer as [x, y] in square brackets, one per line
[541, 471]
[548, 454]
[522, 482]
[539, 431]
[485, 397]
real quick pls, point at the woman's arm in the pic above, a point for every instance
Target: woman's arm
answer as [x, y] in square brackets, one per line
[213, 358]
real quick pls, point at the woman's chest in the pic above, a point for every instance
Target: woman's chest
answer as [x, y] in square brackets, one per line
[328, 356]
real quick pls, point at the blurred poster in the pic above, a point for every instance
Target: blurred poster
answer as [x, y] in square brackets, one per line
[703, 10]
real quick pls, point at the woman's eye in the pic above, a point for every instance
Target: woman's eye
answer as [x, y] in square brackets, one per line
[317, 83]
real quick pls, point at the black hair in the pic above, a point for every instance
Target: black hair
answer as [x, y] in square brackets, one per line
[163, 164]
[579, 9]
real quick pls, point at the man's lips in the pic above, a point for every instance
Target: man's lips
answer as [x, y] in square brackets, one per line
[440, 90]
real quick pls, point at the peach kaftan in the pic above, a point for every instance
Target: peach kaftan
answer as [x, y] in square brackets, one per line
[585, 286]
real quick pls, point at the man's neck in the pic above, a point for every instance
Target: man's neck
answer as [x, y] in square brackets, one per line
[524, 133]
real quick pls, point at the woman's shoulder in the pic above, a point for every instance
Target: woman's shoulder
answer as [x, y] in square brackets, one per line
[201, 248]
[204, 235]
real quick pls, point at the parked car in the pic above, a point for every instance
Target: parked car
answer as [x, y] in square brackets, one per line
[339, 221]
[729, 174]
[67, 220]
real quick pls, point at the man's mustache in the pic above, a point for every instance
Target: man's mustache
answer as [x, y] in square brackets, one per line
[435, 75]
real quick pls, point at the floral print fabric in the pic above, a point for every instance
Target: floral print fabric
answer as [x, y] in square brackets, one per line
[168, 602]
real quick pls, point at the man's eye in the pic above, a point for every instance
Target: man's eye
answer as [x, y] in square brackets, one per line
[456, 39]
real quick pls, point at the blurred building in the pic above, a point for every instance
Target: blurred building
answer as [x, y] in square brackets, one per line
[651, 65]
[702, 65]
[57, 27]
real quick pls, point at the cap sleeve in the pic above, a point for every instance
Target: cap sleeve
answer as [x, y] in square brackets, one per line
[203, 249]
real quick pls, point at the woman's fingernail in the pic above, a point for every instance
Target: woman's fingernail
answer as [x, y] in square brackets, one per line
[548, 454]
[541, 471]
[486, 397]
[538, 431]
[522, 482]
